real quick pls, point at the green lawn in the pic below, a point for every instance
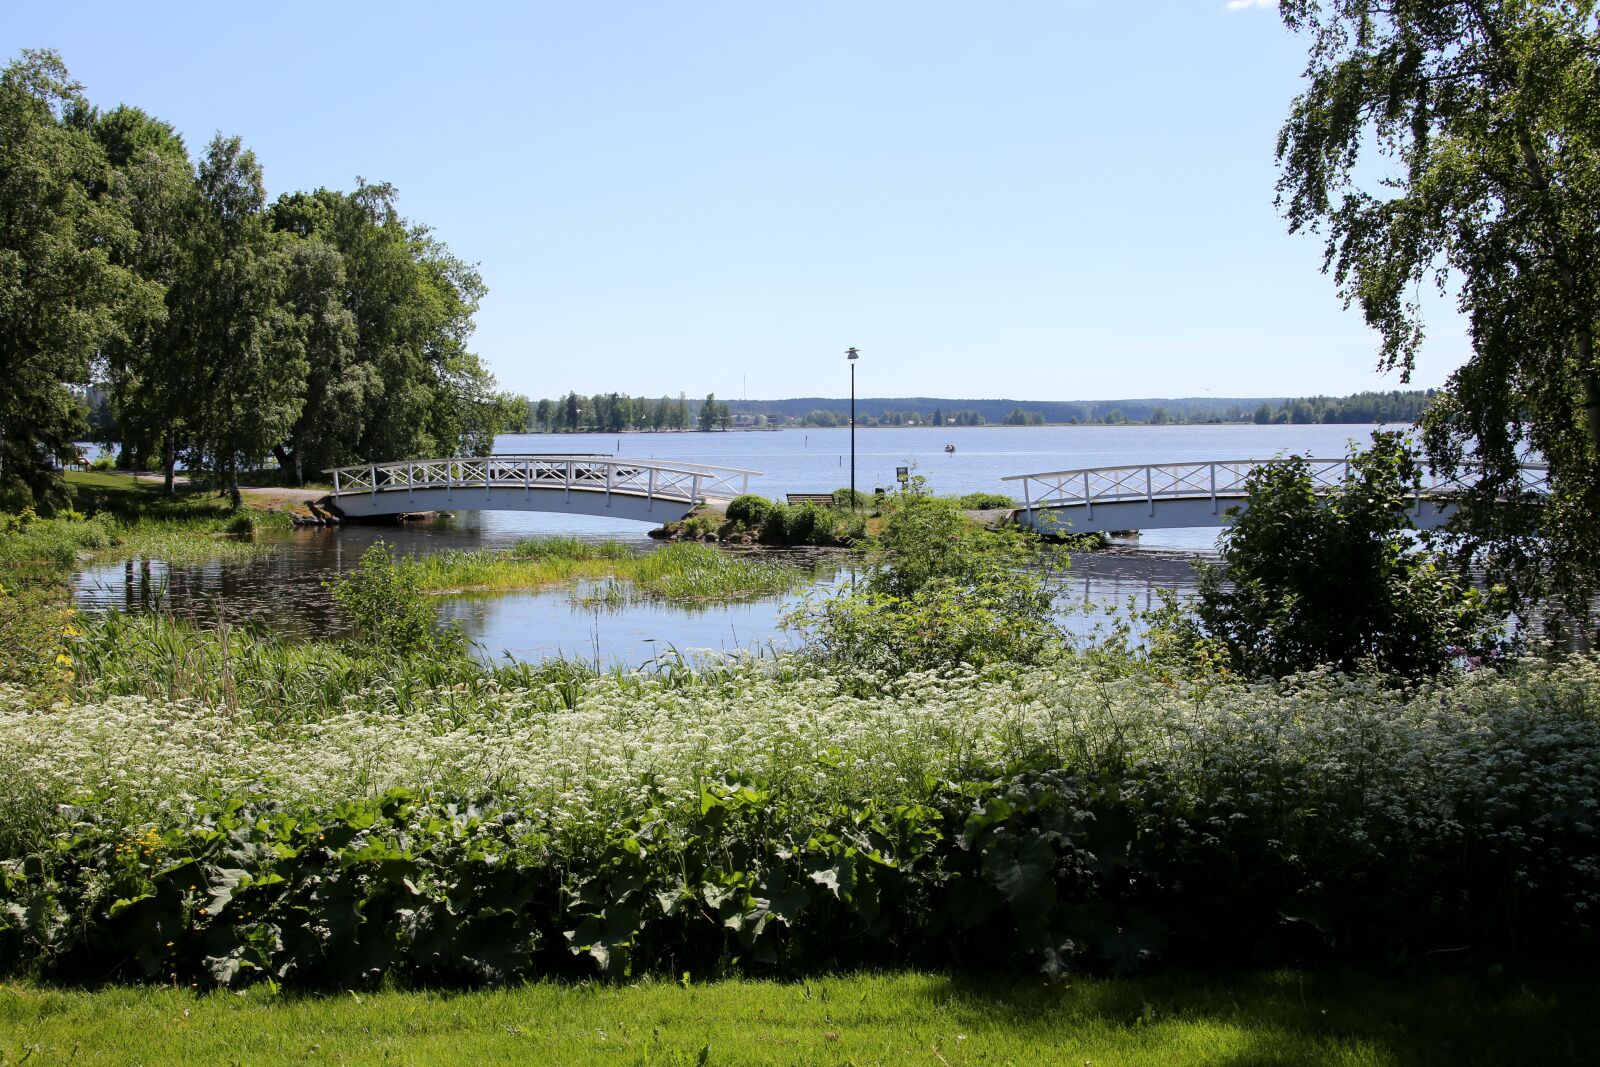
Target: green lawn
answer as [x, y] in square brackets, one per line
[1259, 1018]
[130, 498]
[127, 497]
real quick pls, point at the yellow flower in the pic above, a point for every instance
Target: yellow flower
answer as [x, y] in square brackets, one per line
[63, 659]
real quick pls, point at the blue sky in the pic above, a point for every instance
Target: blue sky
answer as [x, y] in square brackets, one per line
[1029, 199]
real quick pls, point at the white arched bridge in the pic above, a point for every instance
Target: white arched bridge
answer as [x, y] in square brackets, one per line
[590, 484]
[1165, 496]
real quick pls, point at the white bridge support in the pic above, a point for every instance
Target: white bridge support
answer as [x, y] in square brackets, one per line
[642, 490]
[1165, 496]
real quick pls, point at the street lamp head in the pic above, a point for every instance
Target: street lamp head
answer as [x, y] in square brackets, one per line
[851, 353]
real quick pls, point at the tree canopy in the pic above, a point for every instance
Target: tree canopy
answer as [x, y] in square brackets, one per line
[63, 293]
[1484, 117]
[324, 328]
[1309, 578]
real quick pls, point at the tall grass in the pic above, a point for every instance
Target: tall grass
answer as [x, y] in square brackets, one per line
[43, 548]
[679, 572]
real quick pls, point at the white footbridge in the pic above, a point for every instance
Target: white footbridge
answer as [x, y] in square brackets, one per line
[1165, 496]
[591, 484]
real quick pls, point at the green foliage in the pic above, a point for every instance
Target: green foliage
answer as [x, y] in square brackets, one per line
[751, 517]
[1487, 117]
[163, 658]
[390, 310]
[749, 510]
[1022, 417]
[682, 572]
[938, 591]
[35, 631]
[383, 601]
[245, 350]
[1269, 847]
[61, 296]
[985, 501]
[1310, 579]
[843, 499]
[773, 818]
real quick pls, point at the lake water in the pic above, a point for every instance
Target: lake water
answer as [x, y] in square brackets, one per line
[286, 591]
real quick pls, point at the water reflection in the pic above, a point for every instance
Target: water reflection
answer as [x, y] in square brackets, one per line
[286, 591]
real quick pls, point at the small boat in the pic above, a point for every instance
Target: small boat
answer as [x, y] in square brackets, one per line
[949, 448]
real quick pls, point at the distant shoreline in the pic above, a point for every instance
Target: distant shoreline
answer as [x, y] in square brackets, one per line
[977, 426]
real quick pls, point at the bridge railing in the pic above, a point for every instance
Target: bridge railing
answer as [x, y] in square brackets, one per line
[688, 483]
[1218, 480]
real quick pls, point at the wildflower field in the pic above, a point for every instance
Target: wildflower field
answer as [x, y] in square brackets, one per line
[766, 818]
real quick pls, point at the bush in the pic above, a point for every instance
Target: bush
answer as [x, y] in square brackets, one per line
[749, 510]
[986, 501]
[386, 609]
[842, 498]
[1336, 578]
[103, 463]
[939, 591]
[775, 525]
[808, 524]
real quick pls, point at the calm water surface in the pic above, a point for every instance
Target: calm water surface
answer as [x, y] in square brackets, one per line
[286, 589]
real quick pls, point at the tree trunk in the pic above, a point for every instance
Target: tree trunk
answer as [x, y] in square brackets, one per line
[290, 461]
[169, 462]
[233, 486]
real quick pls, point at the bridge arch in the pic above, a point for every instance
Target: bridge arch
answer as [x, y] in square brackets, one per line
[1165, 496]
[652, 491]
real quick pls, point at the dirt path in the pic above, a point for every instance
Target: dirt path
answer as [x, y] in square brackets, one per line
[265, 497]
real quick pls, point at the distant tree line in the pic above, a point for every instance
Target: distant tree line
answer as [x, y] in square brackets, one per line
[216, 327]
[613, 413]
[1394, 406]
[620, 412]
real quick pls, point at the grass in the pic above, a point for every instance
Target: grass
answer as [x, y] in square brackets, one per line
[117, 517]
[898, 1018]
[679, 572]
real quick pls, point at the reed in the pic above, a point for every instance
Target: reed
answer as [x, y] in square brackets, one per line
[610, 571]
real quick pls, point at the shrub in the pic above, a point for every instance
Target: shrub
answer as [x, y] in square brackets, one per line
[841, 498]
[749, 510]
[808, 524]
[986, 501]
[103, 463]
[386, 609]
[939, 591]
[775, 525]
[1335, 578]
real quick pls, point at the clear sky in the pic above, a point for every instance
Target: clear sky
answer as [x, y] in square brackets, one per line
[1045, 200]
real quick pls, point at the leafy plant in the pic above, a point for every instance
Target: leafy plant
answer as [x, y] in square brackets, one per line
[749, 510]
[939, 591]
[1309, 578]
[387, 610]
[986, 501]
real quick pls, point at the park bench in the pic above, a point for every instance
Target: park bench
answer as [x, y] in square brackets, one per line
[824, 499]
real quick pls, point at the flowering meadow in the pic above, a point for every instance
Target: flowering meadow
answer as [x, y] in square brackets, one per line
[763, 814]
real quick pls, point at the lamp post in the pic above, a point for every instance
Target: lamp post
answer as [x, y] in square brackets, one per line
[852, 355]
